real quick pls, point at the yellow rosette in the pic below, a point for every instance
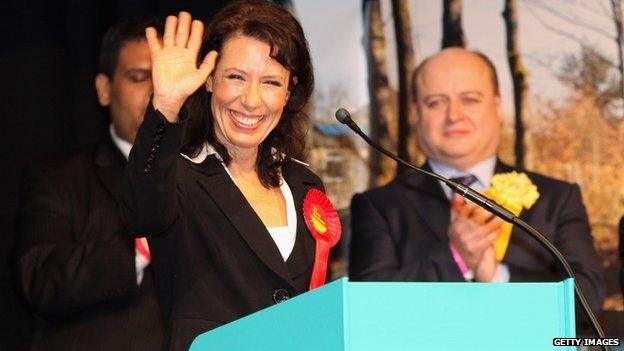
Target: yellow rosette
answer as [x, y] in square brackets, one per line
[515, 192]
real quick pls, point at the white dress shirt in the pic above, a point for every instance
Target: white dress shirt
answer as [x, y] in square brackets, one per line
[140, 261]
[285, 236]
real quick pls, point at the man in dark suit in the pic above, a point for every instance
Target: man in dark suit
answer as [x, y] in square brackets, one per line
[415, 229]
[88, 282]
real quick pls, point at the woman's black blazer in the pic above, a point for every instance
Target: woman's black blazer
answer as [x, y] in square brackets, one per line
[213, 258]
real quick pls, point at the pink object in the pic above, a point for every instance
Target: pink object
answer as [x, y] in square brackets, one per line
[459, 261]
[142, 249]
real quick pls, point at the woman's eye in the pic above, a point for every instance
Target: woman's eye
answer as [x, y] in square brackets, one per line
[273, 83]
[434, 103]
[234, 77]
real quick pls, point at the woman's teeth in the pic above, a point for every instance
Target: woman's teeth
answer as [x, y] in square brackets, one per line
[245, 120]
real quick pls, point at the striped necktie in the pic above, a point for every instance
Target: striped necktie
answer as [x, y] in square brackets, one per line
[466, 180]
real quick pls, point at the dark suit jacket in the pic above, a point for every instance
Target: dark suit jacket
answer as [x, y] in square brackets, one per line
[400, 233]
[76, 262]
[214, 259]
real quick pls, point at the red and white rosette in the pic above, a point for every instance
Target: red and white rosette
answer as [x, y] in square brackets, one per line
[323, 222]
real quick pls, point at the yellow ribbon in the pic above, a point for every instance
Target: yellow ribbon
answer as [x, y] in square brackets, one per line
[514, 191]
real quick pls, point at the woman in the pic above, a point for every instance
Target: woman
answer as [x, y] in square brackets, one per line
[224, 217]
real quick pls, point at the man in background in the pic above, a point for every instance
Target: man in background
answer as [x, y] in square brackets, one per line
[416, 229]
[88, 283]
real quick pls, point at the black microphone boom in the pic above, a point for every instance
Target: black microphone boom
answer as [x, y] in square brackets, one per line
[344, 117]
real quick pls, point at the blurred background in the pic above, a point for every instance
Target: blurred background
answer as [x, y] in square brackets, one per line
[559, 62]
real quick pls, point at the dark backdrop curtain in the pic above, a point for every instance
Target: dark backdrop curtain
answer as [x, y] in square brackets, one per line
[48, 59]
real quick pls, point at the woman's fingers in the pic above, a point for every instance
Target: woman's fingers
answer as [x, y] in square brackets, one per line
[170, 30]
[208, 64]
[178, 29]
[184, 27]
[152, 40]
[195, 39]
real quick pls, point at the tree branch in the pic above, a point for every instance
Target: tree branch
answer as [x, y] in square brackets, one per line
[567, 35]
[574, 20]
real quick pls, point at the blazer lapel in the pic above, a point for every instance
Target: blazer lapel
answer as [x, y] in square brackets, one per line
[220, 187]
[299, 186]
[429, 201]
[501, 167]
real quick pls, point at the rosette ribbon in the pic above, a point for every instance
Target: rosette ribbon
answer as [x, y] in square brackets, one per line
[323, 223]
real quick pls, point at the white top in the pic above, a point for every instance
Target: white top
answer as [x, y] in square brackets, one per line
[284, 237]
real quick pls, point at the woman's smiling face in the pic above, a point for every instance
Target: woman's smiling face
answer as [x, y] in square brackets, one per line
[249, 92]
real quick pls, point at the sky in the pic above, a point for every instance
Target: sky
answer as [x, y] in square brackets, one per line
[335, 32]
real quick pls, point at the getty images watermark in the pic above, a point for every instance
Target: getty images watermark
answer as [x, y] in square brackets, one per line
[586, 342]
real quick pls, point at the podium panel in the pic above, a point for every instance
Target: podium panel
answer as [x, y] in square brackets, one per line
[377, 316]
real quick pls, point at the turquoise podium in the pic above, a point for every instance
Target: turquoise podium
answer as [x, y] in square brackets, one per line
[363, 316]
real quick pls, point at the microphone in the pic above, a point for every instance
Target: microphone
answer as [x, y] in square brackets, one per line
[343, 116]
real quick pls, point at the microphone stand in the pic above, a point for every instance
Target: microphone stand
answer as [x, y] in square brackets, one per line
[344, 117]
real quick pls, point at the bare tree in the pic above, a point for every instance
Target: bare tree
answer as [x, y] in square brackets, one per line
[616, 8]
[518, 75]
[452, 31]
[381, 94]
[406, 64]
[579, 19]
[589, 75]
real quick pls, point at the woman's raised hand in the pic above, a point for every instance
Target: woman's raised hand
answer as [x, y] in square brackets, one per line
[175, 74]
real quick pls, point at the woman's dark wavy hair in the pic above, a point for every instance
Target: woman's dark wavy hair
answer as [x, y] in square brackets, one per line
[275, 26]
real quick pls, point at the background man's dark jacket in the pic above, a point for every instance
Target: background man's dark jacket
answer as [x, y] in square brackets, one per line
[76, 261]
[400, 233]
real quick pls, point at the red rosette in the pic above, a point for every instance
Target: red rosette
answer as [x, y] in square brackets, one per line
[323, 222]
